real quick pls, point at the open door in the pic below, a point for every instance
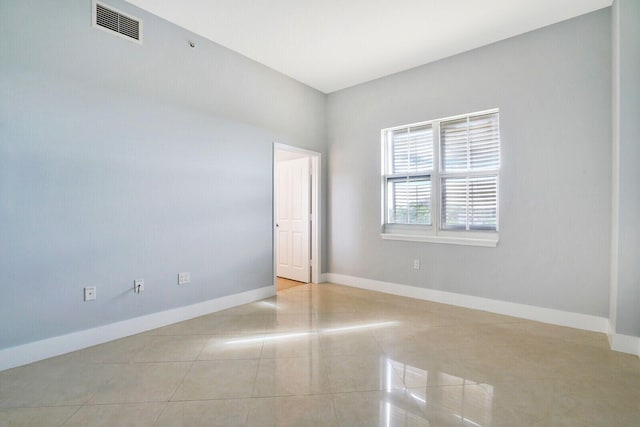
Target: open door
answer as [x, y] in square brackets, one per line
[292, 219]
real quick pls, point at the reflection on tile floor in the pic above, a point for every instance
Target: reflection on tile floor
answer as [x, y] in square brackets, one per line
[329, 355]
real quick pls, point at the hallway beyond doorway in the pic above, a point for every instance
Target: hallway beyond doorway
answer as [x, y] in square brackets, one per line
[282, 284]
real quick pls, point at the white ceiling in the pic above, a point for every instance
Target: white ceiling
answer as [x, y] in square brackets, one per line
[333, 44]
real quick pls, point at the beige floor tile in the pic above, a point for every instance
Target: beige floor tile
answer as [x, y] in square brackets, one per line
[203, 325]
[433, 369]
[220, 379]
[266, 306]
[294, 411]
[331, 303]
[528, 328]
[328, 322]
[167, 348]
[291, 376]
[56, 382]
[132, 414]
[290, 322]
[525, 403]
[455, 338]
[589, 400]
[233, 346]
[205, 413]
[361, 373]
[142, 382]
[123, 350]
[248, 323]
[378, 408]
[468, 405]
[349, 342]
[36, 417]
[294, 344]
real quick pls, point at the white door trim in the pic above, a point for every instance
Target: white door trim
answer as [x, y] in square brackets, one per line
[316, 215]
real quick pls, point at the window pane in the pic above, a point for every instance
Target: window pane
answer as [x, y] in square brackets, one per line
[484, 135]
[412, 149]
[453, 142]
[399, 151]
[409, 200]
[454, 203]
[483, 200]
[470, 144]
[469, 203]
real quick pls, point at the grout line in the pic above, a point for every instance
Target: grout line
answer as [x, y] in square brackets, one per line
[181, 382]
[164, 408]
[70, 416]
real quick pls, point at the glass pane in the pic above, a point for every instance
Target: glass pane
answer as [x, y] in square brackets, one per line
[470, 203]
[399, 151]
[453, 141]
[420, 148]
[483, 202]
[484, 142]
[454, 203]
[470, 144]
[412, 150]
[409, 201]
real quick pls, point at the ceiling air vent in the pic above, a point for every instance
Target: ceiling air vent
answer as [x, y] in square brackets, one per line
[112, 20]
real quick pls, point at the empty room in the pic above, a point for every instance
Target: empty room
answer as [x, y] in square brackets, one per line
[319, 213]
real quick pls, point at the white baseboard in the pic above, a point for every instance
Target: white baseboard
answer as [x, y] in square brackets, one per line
[50, 347]
[529, 312]
[623, 343]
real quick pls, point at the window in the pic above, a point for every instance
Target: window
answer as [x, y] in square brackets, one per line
[440, 180]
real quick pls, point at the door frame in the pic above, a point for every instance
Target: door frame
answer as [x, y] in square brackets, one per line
[316, 208]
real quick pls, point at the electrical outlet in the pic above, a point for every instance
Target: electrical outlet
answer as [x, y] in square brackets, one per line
[184, 278]
[416, 264]
[138, 285]
[90, 293]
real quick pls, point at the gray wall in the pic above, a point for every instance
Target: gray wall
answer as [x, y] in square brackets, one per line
[553, 88]
[626, 135]
[120, 161]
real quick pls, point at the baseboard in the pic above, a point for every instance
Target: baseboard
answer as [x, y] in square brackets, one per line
[50, 347]
[623, 343]
[529, 312]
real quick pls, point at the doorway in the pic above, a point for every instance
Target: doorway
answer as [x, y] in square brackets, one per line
[296, 225]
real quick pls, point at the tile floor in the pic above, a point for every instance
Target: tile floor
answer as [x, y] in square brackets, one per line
[329, 355]
[282, 283]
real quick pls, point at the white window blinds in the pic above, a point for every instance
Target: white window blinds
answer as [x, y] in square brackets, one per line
[441, 179]
[470, 159]
[408, 178]
[412, 149]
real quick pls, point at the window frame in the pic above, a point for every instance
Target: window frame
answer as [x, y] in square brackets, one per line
[434, 233]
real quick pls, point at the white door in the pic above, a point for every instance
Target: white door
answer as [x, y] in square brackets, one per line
[292, 219]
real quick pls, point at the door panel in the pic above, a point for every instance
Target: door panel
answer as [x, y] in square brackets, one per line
[292, 218]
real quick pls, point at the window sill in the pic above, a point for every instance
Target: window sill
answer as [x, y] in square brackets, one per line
[489, 241]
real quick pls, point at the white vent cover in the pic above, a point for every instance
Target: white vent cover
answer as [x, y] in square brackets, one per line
[115, 22]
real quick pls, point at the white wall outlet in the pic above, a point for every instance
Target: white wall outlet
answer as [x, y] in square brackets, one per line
[138, 286]
[416, 264]
[90, 293]
[184, 278]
